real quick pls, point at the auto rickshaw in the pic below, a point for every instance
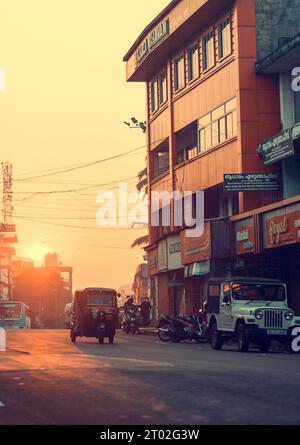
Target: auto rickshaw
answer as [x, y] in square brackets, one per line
[94, 314]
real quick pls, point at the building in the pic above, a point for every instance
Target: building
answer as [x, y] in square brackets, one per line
[46, 290]
[140, 283]
[212, 100]
[268, 238]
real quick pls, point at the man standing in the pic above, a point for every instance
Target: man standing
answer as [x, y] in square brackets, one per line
[145, 311]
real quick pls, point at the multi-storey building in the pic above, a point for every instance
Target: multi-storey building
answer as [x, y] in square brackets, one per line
[140, 284]
[209, 107]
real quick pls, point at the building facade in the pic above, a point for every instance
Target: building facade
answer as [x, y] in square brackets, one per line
[212, 102]
[140, 283]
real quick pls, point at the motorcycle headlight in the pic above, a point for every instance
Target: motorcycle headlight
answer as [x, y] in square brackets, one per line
[259, 314]
[289, 315]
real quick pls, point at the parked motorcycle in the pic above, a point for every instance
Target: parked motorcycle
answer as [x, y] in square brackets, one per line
[131, 321]
[176, 329]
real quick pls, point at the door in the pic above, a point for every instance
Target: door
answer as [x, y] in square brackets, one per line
[226, 308]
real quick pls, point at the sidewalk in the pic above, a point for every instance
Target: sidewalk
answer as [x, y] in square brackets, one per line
[148, 330]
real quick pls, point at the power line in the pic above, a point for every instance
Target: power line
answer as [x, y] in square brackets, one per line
[80, 166]
[51, 192]
[79, 227]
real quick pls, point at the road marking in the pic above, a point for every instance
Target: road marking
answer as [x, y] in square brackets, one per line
[2, 404]
[139, 361]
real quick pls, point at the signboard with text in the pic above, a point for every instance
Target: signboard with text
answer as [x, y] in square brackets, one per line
[244, 236]
[277, 148]
[174, 252]
[252, 182]
[282, 227]
[158, 33]
[196, 249]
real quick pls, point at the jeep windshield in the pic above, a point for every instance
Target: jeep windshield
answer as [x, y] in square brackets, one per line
[257, 292]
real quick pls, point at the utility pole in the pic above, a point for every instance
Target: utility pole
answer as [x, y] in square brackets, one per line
[7, 192]
[7, 211]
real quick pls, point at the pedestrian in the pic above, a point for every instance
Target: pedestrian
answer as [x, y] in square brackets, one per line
[145, 311]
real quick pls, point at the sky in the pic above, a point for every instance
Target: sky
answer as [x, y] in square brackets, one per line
[65, 101]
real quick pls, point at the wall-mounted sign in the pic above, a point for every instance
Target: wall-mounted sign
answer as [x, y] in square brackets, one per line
[155, 36]
[174, 252]
[244, 236]
[162, 256]
[296, 131]
[282, 227]
[253, 182]
[277, 148]
[196, 249]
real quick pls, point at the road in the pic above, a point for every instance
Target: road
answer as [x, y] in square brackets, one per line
[44, 379]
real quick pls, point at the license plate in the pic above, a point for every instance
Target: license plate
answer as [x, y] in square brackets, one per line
[276, 332]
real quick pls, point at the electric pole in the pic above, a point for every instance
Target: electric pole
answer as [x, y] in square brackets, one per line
[7, 210]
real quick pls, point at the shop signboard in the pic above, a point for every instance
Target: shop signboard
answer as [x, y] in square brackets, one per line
[162, 256]
[244, 236]
[282, 227]
[174, 252]
[196, 249]
[252, 182]
[277, 148]
[152, 40]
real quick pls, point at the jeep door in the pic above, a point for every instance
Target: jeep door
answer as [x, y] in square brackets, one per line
[226, 319]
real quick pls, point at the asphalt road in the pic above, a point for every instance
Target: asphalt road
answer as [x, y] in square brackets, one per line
[44, 379]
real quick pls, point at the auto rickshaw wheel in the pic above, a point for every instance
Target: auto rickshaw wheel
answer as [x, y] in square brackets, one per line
[101, 340]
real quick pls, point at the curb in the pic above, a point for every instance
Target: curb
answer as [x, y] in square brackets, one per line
[151, 331]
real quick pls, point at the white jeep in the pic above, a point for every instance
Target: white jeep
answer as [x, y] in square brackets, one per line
[249, 310]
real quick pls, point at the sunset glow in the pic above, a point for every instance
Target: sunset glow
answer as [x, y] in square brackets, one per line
[37, 252]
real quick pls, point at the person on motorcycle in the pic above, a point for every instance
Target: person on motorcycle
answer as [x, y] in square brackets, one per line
[129, 306]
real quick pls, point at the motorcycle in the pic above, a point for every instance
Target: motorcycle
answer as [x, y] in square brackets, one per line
[130, 321]
[177, 329]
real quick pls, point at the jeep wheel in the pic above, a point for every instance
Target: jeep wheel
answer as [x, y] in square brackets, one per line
[243, 338]
[264, 345]
[215, 338]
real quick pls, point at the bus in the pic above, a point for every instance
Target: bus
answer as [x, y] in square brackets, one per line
[14, 315]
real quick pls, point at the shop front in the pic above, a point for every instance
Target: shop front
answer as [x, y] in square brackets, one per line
[152, 261]
[177, 303]
[203, 257]
[267, 245]
[281, 237]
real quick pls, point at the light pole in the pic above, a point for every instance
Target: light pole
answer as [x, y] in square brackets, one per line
[136, 125]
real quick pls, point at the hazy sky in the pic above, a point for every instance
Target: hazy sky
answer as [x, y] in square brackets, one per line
[65, 104]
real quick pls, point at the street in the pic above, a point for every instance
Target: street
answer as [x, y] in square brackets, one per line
[44, 379]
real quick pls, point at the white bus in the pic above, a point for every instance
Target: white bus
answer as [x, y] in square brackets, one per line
[14, 315]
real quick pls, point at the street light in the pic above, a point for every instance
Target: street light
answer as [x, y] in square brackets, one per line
[135, 124]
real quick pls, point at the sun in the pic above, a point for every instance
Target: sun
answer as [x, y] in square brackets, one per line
[37, 252]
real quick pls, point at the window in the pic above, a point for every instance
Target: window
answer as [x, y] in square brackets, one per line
[218, 126]
[187, 143]
[224, 38]
[208, 43]
[179, 76]
[193, 62]
[162, 78]
[160, 160]
[154, 95]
